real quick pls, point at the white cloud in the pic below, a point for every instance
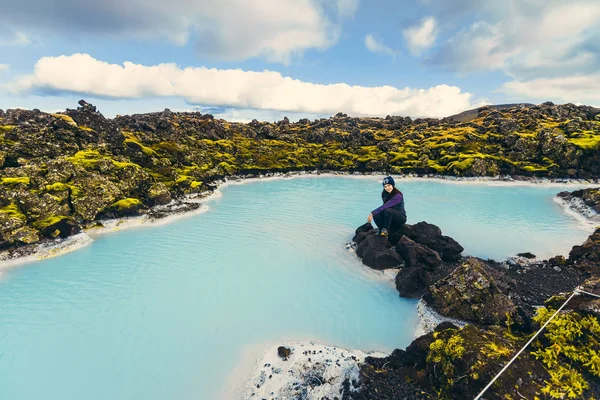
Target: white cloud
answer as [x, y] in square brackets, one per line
[278, 30]
[567, 89]
[3, 67]
[82, 74]
[421, 37]
[374, 45]
[247, 115]
[527, 38]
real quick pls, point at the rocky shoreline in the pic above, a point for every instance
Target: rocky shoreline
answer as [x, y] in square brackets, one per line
[47, 247]
[584, 202]
[191, 204]
[61, 173]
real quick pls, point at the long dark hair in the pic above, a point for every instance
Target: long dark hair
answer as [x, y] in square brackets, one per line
[385, 196]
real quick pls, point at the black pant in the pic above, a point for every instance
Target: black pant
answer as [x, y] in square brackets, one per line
[389, 216]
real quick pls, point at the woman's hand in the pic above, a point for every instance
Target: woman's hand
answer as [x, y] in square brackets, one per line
[370, 217]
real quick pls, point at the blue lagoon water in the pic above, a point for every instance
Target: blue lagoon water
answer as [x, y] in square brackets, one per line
[167, 312]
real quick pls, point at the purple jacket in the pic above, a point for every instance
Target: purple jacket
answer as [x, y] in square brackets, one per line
[396, 202]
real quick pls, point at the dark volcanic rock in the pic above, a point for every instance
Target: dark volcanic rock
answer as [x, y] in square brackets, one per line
[588, 254]
[284, 352]
[418, 255]
[583, 201]
[442, 364]
[474, 292]
[362, 232]
[412, 282]
[526, 255]
[59, 227]
[381, 258]
[431, 236]
[372, 241]
[375, 251]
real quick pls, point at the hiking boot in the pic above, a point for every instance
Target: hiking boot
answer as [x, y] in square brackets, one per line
[383, 232]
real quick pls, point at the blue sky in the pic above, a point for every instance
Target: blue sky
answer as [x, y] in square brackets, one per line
[265, 59]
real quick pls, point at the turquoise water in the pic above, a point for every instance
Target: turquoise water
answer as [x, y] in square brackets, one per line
[167, 312]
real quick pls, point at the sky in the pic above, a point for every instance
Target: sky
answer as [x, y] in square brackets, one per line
[265, 59]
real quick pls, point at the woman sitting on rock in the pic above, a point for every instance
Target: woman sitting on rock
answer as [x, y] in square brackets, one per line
[392, 211]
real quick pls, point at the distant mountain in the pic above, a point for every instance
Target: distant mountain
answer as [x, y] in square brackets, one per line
[469, 115]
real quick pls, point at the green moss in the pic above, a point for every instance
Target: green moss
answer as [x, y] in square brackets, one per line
[571, 345]
[586, 143]
[227, 168]
[534, 168]
[13, 182]
[13, 211]
[85, 158]
[126, 204]
[89, 159]
[48, 222]
[461, 165]
[6, 128]
[57, 187]
[400, 156]
[65, 118]
[132, 141]
[183, 178]
[445, 352]
[62, 187]
[168, 147]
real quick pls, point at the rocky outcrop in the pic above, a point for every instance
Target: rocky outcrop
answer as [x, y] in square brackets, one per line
[431, 236]
[584, 201]
[374, 250]
[496, 298]
[587, 256]
[417, 255]
[473, 292]
[409, 249]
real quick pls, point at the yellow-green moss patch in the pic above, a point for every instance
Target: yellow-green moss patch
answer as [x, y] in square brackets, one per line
[6, 128]
[65, 118]
[13, 211]
[85, 158]
[48, 222]
[126, 204]
[12, 182]
[586, 143]
[62, 187]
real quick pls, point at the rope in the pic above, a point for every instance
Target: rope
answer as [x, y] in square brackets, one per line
[591, 294]
[524, 347]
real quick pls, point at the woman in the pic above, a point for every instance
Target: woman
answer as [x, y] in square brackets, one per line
[392, 211]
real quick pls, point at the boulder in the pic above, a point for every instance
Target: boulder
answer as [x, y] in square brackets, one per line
[127, 207]
[284, 352]
[372, 241]
[418, 255]
[474, 292]
[381, 258]
[57, 226]
[159, 194]
[362, 232]
[375, 250]
[412, 282]
[431, 236]
[588, 254]
[527, 255]
[24, 235]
